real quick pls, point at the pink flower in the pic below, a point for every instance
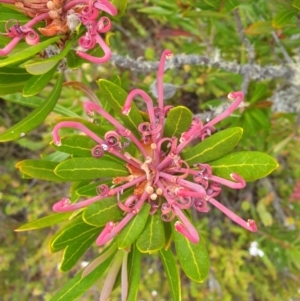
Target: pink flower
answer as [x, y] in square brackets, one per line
[62, 17]
[158, 175]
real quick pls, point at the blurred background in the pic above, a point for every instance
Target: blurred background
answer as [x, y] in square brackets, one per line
[238, 45]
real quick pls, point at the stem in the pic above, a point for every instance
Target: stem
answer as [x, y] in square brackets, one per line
[249, 225]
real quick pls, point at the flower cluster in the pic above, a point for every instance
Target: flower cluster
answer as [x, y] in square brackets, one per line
[62, 17]
[159, 175]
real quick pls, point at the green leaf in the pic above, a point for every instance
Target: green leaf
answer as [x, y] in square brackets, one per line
[90, 189]
[134, 273]
[213, 3]
[171, 270]
[100, 213]
[12, 79]
[34, 102]
[232, 4]
[296, 4]
[74, 232]
[156, 11]
[249, 165]
[28, 52]
[260, 27]
[80, 146]
[193, 258]
[134, 228]
[45, 222]
[36, 117]
[283, 18]
[152, 238]
[116, 96]
[83, 168]
[120, 5]
[78, 285]
[74, 251]
[76, 145]
[213, 147]
[39, 169]
[42, 66]
[7, 13]
[38, 82]
[179, 120]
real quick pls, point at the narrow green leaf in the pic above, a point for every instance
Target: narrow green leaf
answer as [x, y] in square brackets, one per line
[134, 228]
[77, 169]
[116, 96]
[134, 273]
[39, 169]
[283, 18]
[213, 147]
[38, 82]
[100, 213]
[232, 4]
[296, 4]
[28, 52]
[78, 285]
[74, 232]
[120, 5]
[76, 145]
[45, 222]
[90, 189]
[249, 165]
[171, 270]
[74, 251]
[41, 66]
[193, 258]
[260, 27]
[12, 79]
[179, 120]
[7, 13]
[34, 102]
[36, 117]
[152, 238]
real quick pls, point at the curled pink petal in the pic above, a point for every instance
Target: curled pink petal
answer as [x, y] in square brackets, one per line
[97, 60]
[106, 6]
[103, 25]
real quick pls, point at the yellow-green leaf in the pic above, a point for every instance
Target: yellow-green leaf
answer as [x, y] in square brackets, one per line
[115, 97]
[249, 165]
[40, 169]
[213, 147]
[45, 222]
[134, 228]
[99, 213]
[38, 82]
[28, 52]
[260, 27]
[77, 169]
[179, 120]
[283, 18]
[171, 270]
[152, 238]
[193, 258]
[75, 231]
[36, 117]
